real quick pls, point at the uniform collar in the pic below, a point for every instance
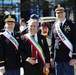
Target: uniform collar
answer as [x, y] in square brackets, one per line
[63, 21]
[9, 31]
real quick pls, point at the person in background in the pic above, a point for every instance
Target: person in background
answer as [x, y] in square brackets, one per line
[34, 50]
[9, 52]
[63, 43]
[23, 26]
[34, 16]
[44, 30]
[48, 24]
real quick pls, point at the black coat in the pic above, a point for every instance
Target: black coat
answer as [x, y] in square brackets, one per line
[9, 55]
[26, 48]
[61, 52]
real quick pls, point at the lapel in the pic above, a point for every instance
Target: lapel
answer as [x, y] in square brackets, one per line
[17, 35]
[40, 40]
[64, 26]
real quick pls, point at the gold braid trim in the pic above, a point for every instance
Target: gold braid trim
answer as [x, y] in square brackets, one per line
[74, 53]
[1, 61]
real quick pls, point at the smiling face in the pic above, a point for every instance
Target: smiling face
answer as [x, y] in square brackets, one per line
[33, 27]
[10, 25]
[60, 15]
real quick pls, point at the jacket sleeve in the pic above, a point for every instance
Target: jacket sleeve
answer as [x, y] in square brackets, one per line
[2, 61]
[52, 42]
[46, 51]
[22, 48]
[74, 40]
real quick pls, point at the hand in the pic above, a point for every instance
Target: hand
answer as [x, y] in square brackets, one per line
[72, 62]
[32, 60]
[52, 62]
[2, 70]
[47, 65]
[46, 70]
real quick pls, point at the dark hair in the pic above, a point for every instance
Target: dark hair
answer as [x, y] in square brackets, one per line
[22, 20]
[34, 16]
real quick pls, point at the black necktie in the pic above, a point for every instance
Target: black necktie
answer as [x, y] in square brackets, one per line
[12, 34]
[61, 26]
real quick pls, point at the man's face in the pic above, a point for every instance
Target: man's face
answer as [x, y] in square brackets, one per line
[33, 27]
[22, 23]
[10, 25]
[60, 15]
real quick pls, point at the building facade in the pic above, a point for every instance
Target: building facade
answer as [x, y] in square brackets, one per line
[28, 7]
[10, 6]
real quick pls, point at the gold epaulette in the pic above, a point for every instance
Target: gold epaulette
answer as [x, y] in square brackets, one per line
[74, 53]
[1, 62]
